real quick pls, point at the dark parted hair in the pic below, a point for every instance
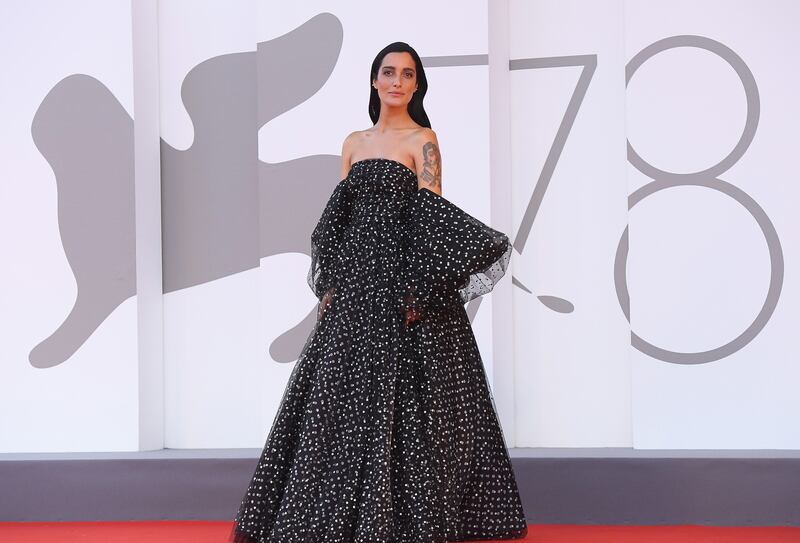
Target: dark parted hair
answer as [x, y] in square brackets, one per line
[415, 108]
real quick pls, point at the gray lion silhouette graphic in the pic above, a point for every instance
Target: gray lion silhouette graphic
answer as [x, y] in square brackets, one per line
[222, 209]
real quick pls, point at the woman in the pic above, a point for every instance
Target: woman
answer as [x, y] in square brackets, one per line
[387, 431]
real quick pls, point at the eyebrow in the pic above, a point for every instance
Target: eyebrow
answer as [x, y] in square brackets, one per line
[392, 67]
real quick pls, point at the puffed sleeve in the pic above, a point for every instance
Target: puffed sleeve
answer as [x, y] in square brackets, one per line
[326, 239]
[446, 251]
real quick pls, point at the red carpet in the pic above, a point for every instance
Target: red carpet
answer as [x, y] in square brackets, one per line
[217, 532]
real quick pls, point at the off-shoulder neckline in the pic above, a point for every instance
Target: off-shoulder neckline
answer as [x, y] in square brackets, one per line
[409, 170]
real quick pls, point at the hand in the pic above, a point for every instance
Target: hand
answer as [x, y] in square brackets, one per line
[411, 316]
[412, 311]
[325, 302]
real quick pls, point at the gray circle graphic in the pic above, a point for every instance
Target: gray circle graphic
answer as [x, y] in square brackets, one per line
[707, 178]
[775, 282]
[750, 90]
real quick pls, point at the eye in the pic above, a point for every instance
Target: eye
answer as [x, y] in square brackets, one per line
[387, 72]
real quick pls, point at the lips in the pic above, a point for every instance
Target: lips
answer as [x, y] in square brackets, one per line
[396, 93]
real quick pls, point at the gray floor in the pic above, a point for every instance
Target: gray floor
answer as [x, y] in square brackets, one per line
[518, 452]
[574, 486]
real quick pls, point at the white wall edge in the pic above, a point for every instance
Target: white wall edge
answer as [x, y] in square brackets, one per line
[147, 183]
[501, 209]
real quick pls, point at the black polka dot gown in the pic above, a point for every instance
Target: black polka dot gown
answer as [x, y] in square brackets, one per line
[387, 432]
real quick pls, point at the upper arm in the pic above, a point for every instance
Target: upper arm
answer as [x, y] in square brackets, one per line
[428, 161]
[347, 151]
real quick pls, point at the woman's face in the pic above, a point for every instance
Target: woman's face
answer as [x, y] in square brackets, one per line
[397, 79]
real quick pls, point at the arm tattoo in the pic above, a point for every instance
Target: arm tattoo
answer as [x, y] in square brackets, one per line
[432, 167]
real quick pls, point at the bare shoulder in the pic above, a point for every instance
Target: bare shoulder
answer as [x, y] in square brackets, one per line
[428, 160]
[424, 132]
[350, 143]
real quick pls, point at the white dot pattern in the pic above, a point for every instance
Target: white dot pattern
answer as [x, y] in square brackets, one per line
[387, 433]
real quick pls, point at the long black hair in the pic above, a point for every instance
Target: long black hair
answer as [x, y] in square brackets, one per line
[415, 108]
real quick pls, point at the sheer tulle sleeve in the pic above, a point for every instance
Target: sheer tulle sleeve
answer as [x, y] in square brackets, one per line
[447, 251]
[326, 239]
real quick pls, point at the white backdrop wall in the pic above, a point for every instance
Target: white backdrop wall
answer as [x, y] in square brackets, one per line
[252, 103]
[568, 158]
[68, 314]
[706, 260]
[218, 379]
[712, 270]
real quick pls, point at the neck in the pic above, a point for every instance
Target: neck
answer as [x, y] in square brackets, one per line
[393, 118]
